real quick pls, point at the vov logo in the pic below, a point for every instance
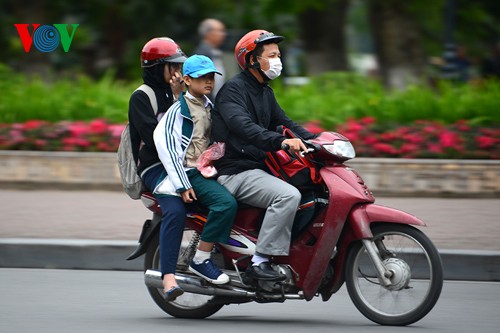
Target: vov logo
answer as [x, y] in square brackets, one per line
[46, 38]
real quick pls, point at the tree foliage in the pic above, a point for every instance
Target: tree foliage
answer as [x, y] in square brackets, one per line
[112, 32]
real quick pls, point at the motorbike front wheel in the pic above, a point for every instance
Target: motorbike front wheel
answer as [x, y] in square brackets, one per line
[417, 276]
[188, 305]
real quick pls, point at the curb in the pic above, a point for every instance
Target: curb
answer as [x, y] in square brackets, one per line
[68, 254]
[384, 176]
[469, 265]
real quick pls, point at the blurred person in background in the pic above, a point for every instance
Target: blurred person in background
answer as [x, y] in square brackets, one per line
[490, 68]
[161, 62]
[463, 63]
[212, 33]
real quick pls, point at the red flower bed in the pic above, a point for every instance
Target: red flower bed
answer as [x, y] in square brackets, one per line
[95, 136]
[423, 139]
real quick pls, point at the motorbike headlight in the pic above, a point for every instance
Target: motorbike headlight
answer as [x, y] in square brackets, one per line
[343, 149]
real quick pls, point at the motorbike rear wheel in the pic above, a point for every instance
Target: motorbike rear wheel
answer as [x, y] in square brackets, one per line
[188, 305]
[417, 276]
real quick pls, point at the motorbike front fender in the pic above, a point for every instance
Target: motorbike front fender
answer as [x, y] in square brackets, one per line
[363, 215]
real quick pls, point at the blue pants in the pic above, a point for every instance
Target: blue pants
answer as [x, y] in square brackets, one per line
[221, 212]
[172, 223]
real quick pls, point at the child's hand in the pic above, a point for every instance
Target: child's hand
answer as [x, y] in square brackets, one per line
[188, 196]
[205, 160]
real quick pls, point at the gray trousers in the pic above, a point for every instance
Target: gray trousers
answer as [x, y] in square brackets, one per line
[259, 189]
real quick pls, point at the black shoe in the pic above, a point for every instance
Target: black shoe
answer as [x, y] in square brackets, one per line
[264, 272]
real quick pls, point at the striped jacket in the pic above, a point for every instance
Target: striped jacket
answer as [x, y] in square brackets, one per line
[172, 137]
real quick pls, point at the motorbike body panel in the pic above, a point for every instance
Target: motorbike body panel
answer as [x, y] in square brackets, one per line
[243, 234]
[310, 262]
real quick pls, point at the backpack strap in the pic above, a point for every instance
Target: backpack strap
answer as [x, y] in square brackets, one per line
[151, 94]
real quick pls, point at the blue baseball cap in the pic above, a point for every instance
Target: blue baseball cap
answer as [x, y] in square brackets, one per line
[198, 65]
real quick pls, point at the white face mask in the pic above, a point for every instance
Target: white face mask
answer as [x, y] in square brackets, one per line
[275, 68]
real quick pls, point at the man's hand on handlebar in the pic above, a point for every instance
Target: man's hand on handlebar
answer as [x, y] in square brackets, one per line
[295, 145]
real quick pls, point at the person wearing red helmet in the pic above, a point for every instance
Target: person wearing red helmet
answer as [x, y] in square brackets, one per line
[161, 62]
[246, 117]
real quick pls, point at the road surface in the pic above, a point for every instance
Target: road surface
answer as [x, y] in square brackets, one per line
[110, 301]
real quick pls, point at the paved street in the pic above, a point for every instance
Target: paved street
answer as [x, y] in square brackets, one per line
[60, 301]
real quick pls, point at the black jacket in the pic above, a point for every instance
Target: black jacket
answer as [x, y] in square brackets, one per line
[142, 120]
[245, 117]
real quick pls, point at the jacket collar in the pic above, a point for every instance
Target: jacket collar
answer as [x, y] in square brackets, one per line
[254, 83]
[184, 107]
[206, 100]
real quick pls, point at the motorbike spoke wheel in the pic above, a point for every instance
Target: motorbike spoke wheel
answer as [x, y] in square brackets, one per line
[188, 305]
[416, 281]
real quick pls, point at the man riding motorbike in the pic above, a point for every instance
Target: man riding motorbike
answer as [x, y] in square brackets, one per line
[245, 118]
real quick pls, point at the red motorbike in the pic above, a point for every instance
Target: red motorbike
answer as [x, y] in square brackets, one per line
[392, 270]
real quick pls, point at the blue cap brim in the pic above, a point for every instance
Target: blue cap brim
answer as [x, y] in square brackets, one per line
[202, 72]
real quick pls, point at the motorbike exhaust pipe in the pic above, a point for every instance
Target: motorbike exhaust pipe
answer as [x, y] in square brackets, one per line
[192, 284]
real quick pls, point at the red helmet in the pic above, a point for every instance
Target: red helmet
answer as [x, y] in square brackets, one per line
[161, 50]
[248, 43]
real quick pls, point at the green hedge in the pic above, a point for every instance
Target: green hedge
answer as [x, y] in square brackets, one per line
[335, 97]
[331, 98]
[77, 98]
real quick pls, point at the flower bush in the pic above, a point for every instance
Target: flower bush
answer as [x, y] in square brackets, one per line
[94, 136]
[422, 139]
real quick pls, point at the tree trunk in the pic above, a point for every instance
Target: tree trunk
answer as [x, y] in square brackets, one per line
[115, 39]
[323, 37]
[397, 42]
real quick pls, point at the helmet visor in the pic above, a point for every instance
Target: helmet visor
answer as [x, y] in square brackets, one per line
[268, 38]
[178, 58]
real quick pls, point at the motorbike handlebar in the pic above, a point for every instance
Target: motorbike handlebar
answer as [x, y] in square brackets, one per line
[311, 147]
[285, 146]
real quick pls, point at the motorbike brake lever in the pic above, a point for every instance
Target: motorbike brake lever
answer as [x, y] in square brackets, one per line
[312, 146]
[308, 151]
